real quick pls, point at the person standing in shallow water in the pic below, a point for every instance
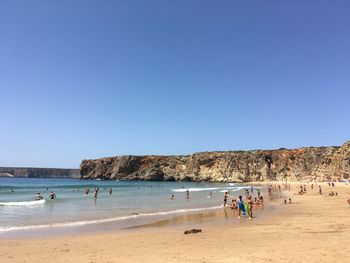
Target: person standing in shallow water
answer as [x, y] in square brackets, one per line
[38, 197]
[246, 193]
[225, 199]
[95, 192]
[52, 195]
[250, 205]
[187, 194]
[110, 191]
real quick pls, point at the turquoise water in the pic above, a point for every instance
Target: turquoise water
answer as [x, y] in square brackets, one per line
[129, 202]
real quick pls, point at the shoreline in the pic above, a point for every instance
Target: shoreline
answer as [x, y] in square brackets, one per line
[137, 220]
[122, 222]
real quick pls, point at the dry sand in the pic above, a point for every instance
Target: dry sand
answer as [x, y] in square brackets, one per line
[313, 229]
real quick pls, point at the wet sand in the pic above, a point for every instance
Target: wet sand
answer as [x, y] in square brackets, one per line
[313, 229]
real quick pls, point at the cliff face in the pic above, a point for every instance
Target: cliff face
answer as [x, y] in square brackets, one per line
[320, 163]
[39, 172]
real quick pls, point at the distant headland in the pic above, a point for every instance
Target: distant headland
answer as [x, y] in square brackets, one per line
[39, 172]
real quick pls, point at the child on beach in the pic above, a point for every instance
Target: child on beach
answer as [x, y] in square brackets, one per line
[261, 202]
[234, 204]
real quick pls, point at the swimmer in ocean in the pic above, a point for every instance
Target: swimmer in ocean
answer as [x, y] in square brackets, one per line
[95, 192]
[38, 197]
[52, 195]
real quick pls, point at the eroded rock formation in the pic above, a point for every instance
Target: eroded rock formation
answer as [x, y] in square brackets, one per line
[320, 163]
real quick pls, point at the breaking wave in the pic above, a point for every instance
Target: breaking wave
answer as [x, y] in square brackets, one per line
[223, 189]
[23, 203]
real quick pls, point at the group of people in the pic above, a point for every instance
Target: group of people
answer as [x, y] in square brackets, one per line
[242, 206]
[52, 195]
[96, 191]
[303, 189]
[245, 207]
[331, 193]
[289, 201]
[330, 184]
[38, 196]
[285, 187]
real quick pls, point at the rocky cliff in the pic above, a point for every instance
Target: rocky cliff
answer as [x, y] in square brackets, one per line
[39, 172]
[320, 163]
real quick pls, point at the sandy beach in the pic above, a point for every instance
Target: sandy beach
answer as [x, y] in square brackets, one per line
[313, 228]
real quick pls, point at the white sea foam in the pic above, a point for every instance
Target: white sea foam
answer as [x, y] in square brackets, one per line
[23, 203]
[106, 220]
[182, 190]
[237, 188]
[222, 189]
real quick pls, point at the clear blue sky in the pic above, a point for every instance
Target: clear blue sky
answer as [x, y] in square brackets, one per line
[88, 79]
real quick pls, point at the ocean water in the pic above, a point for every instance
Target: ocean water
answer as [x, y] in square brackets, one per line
[131, 202]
